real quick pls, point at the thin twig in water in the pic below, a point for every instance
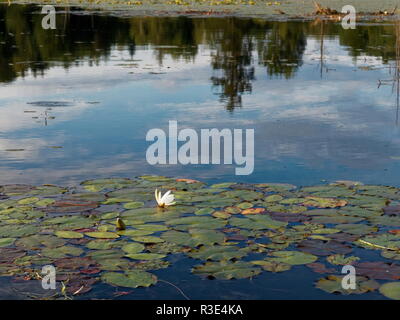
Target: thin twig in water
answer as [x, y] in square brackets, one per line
[186, 297]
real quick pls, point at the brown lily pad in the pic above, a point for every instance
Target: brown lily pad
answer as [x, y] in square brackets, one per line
[378, 270]
[320, 268]
[8, 255]
[323, 247]
[75, 263]
[343, 237]
[392, 210]
[253, 211]
[288, 217]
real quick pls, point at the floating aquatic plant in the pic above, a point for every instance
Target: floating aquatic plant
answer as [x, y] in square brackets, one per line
[164, 200]
[108, 231]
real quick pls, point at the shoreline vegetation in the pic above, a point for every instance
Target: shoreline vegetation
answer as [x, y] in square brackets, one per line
[385, 10]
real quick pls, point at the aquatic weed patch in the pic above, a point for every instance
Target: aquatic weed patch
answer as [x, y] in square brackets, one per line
[227, 231]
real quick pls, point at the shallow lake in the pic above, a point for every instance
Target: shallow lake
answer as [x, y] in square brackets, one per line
[77, 102]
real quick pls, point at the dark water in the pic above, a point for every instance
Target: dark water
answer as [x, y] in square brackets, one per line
[77, 102]
[309, 89]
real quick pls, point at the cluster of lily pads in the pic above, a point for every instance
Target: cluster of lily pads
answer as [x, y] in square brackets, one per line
[222, 227]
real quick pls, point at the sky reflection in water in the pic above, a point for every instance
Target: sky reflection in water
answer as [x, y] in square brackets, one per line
[313, 120]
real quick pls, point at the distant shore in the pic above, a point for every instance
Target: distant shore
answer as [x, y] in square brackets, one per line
[277, 10]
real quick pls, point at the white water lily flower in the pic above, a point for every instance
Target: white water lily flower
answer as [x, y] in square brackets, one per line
[166, 200]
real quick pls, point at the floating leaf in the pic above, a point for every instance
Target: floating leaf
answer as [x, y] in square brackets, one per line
[292, 257]
[148, 239]
[102, 235]
[221, 215]
[145, 256]
[320, 268]
[26, 201]
[333, 284]
[204, 211]
[358, 229]
[61, 252]
[217, 253]
[133, 205]
[150, 264]
[5, 242]
[378, 270]
[394, 255]
[391, 290]
[272, 266]
[131, 279]
[340, 259]
[324, 248]
[68, 234]
[101, 244]
[133, 247]
[227, 270]
[323, 202]
[253, 211]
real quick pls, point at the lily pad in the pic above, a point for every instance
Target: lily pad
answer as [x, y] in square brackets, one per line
[227, 270]
[68, 234]
[102, 235]
[292, 257]
[340, 259]
[5, 242]
[133, 205]
[333, 284]
[218, 253]
[132, 248]
[272, 266]
[131, 279]
[145, 256]
[148, 239]
[391, 290]
[324, 248]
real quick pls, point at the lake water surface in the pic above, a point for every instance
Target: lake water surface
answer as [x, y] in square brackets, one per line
[322, 100]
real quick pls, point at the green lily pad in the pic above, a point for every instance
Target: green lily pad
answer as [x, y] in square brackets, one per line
[256, 223]
[44, 203]
[388, 254]
[102, 235]
[391, 290]
[204, 211]
[151, 227]
[333, 284]
[226, 270]
[218, 253]
[133, 205]
[293, 257]
[68, 234]
[340, 259]
[148, 239]
[26, 201]
[132, 248]
[5, 242]
[358, 229]
[145, 256]
[131, 279]
[383, 241]
[134, 233]
[61, 252]
[100, 244]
